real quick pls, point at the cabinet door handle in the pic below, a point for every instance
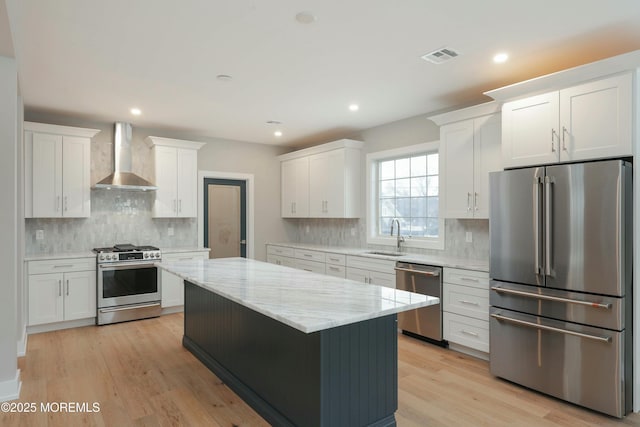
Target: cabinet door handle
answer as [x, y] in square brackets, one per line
[179, 205]
[475, 201]
[67, 287]
[564, 142]
[59, 288]
[553, 144]
[66, 204]
[468, 202]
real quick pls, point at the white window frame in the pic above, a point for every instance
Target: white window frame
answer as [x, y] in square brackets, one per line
[372, 204]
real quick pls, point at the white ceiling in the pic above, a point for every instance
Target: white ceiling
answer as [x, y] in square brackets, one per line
[96, 59]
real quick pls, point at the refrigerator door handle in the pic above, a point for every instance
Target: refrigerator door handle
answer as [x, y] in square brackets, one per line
[548, 226]
[550, 297]
[537, 182]
[550, 328]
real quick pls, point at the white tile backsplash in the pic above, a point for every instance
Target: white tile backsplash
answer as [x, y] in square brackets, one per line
[339, 232]
[116, 217]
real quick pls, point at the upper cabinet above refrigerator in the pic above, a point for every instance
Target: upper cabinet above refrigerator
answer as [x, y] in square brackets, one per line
[589, 121]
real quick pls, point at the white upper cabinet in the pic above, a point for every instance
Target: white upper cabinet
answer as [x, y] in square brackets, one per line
[295, 188]
[57, 171]
[176, 176]
[322, 181]
[470, 149]
[588, 121]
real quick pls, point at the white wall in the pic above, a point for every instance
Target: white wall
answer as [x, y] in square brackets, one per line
[10, 258]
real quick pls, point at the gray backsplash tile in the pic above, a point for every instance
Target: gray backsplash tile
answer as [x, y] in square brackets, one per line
[352, 233]
[116, 217]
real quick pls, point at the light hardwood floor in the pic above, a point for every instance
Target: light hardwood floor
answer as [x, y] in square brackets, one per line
[140, 375]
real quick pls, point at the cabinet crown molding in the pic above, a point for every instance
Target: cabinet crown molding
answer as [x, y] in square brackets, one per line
[59, 130]
[152, 141]
[479, 110]
[626, 62]
[341, 143]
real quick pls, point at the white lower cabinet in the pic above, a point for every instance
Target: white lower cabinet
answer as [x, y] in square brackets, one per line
[61, 290]
[465, 305]
[173, 286]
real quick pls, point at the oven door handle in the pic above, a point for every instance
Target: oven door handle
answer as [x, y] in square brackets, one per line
[129, 307]
[550, 328]
[127, 266]
[549, 297]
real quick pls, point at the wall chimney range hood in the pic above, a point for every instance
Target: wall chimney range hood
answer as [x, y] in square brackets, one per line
[122, 178]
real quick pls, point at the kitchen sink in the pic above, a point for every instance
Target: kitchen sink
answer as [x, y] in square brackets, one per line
[386, 253]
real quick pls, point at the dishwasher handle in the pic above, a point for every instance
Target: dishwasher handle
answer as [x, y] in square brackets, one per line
[434, 273]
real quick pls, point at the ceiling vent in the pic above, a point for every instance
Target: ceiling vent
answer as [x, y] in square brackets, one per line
[441, 55]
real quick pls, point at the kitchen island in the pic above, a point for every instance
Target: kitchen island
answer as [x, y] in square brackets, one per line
[301, 348]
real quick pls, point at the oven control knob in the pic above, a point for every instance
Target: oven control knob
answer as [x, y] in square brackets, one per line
[108, 257]
[101, 257]
[146, 255]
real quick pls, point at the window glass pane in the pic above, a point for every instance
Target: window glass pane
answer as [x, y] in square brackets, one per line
[387, 188]
[403, 208]
[419, 186]
[387, 170]
[385, 225]
[418, 206]
[432, 186]
[403, 187]
[418, 227]
[432, 164]
[432, 207]
[403, 168]
[419, 166]
[408, 189]
[388, 207]
[432, 227]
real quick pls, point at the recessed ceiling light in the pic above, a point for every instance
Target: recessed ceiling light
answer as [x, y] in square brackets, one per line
[500, 57]
[354, 107]
[278, 133]
[224, 77]
[305, 17]
[136, 111]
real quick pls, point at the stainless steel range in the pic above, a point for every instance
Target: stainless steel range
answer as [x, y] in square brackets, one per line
[128, 283]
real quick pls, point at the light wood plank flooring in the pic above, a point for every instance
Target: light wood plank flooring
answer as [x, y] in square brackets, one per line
[140, 375]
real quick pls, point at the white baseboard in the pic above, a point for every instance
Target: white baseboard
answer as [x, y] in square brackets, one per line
[22, 343]
[10, 390]
[174, 309]
[61, 325]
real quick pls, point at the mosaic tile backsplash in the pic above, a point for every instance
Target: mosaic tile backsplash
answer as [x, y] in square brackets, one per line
[352, 233]
[116, 217]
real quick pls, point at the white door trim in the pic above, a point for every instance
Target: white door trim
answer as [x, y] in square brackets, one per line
[249, 179]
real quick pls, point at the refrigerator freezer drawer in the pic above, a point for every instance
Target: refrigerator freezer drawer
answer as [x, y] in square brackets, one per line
[576, 307]
[580, 364]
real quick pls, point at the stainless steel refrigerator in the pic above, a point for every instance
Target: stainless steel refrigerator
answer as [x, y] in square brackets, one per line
[560, 268]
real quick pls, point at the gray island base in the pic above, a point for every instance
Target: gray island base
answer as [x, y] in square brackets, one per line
[342, 376]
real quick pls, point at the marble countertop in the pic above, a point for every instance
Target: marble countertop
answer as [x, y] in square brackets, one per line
[443, 261]
[183, 250]
[306, 301]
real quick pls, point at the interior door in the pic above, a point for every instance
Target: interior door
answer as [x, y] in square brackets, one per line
[225, 229]
[515, 221]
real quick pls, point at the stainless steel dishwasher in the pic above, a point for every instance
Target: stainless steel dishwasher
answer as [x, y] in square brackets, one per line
[426, 322]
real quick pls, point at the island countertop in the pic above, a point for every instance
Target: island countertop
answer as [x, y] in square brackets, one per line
[306, 301]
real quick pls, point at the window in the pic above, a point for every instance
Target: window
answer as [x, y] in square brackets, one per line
[404, 184]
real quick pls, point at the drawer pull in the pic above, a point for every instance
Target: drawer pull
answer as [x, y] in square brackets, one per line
[473, 334]
[334, 268]
[306, 269]
[549, 297]
[308, 255]
[63, 266]
[467, 279]
[551, 328]
[469, 302]
[334, 259]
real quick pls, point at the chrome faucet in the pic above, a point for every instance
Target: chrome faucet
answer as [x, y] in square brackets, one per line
[400, 238]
